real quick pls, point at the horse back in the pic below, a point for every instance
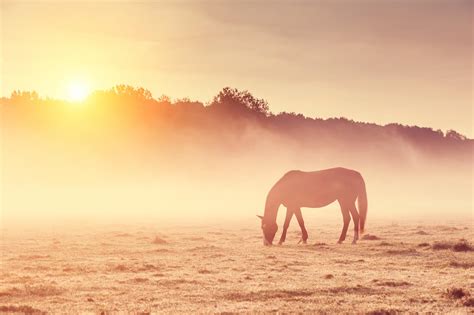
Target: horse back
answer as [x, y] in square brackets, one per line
[317, 188]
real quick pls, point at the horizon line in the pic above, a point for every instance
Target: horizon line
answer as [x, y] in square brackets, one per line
[208, 103]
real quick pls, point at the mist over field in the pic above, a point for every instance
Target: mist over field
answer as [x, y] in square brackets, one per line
[122, 156]
[125, 203]
[121, 199]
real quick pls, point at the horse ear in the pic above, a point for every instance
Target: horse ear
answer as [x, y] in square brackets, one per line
[259, 216]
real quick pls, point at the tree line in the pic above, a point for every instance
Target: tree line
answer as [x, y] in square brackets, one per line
[229, 117]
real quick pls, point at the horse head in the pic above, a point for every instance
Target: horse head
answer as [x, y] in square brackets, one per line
[269, 230]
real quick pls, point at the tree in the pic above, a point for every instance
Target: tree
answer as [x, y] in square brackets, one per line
[28, 96]
[452, 134]
[127, 90]
[234, 97]
[164, 99]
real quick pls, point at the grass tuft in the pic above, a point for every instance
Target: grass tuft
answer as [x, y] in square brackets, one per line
[370, 237]
[383, 312]
[158, 240]
[469, 302]
[23, 309]
[456, 293]
[460, 246]
[458, 264]
[421, 232]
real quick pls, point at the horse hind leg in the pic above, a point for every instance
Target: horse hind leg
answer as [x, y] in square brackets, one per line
[299, 217]
[346, 219]
[355, 218]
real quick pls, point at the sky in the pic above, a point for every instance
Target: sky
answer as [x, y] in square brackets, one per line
[377, 61]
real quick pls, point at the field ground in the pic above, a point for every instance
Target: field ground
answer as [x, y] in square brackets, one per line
[214, 270]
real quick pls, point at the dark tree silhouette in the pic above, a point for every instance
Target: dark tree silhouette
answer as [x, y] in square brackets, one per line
[452, 134]
[233, 120]
[24, 96]
[127, 90]
[235, 98]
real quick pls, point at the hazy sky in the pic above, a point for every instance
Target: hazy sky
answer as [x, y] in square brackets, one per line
[404, 61]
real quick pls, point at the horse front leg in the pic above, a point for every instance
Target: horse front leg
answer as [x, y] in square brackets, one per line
[299, 217]
[289, 215]
[347, 218]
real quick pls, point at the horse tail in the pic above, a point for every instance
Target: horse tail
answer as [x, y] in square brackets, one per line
[362, 204]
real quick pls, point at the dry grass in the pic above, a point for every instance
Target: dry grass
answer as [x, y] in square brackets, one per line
[369, 237]
[469, 302]
[11, 292]
[424, 245]
[441, 245]
[462, 264]
[421, 232]
[405, 252]
[383, 312]
[21, 309]
[214, 270]
[319, 244]
[267, 295]
[460, 246]
[42, 290]
[393, 283]
[357, 290]
[456, 293]
[121, 268]
[158, 240]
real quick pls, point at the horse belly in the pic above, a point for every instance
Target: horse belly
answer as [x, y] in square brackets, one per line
[309, 199]
[318, 202]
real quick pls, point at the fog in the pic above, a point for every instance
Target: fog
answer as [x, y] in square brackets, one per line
[81, 166]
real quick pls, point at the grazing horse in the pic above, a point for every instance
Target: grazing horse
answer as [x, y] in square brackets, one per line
[317, 189]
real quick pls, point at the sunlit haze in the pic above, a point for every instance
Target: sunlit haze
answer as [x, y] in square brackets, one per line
[77, 91]
[378, 61]
[227, 157]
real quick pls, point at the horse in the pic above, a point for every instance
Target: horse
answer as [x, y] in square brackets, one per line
[297, 189]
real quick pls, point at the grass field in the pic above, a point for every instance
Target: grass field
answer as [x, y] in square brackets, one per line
[400, 268]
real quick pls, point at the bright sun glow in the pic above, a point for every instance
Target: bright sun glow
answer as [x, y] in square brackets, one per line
[78, 91]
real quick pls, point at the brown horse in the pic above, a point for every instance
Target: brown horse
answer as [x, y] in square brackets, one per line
[317, 189]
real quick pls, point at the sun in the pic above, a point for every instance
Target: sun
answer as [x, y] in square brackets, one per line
[78, 91]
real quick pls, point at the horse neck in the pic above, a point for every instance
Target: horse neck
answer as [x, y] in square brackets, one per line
[271, 209]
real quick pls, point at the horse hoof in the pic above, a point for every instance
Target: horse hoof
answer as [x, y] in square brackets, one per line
[280, 243]
[340, 242]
